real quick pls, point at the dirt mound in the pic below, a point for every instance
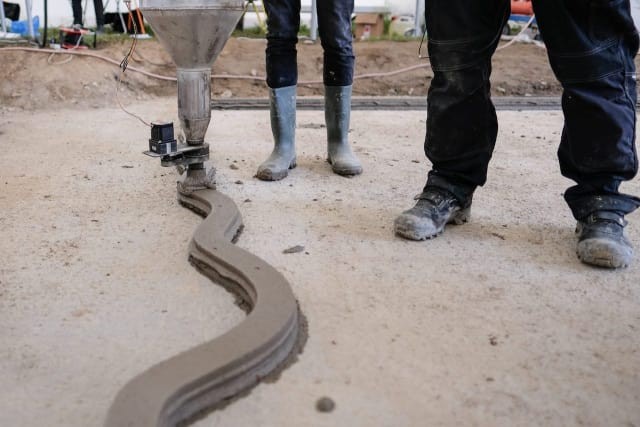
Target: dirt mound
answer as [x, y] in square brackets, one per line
[35, 80]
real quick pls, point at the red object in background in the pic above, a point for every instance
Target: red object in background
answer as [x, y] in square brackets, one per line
[521, 7]
[70, 38]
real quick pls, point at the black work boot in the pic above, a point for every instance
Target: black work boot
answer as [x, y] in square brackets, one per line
[601, 240]
[435, 209]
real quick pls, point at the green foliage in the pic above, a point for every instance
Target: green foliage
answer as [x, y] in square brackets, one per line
[252, 32]
[257, 32]
[391, 37]
[304, 30]
[387, 25]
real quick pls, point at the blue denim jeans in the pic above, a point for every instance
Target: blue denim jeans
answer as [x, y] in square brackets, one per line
[334, 27]
[591, 45]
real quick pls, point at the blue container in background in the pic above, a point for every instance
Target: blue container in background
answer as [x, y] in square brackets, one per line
[21, 27]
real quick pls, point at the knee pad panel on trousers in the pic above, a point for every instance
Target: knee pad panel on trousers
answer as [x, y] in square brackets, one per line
[587, 40]
[463, 33]
[455, 55]
[593, 65]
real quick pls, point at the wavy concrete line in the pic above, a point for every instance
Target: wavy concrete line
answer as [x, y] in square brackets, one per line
[180, 388]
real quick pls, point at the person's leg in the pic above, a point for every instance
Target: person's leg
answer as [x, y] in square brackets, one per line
[76, 6]
[591, 46]
[99, 8]
[334, 25]
[283, 23]
[461, 121]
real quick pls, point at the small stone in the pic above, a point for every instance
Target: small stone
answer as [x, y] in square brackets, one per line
[226, 94]
[325, 404]
[239, 182]
[293, 250]
[233, 166]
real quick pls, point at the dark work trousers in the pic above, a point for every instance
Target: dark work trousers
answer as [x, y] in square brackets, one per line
[334, 25]
[591, 46]
[76, 5]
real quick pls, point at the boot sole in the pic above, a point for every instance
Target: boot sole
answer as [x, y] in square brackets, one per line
[267, 175]
[458, 218]
[345, 172]
[600, 254]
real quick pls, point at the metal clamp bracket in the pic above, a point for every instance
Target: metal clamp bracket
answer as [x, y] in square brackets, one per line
[163, 144]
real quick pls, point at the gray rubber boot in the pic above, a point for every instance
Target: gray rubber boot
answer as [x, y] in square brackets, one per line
[283, 126]
[337, 112]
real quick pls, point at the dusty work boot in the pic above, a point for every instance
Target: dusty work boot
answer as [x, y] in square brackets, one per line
[337, 113]
[283, 126]
[601, 240]
[435, 209]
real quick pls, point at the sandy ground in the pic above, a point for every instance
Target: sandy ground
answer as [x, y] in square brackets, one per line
[494, 323]
[35, 81]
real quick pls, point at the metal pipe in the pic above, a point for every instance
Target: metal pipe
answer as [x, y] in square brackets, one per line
[45, 42]
[119, 12]
[30, 31]
[314, 20]
[417, 32]
[194, 103]
[4, 26]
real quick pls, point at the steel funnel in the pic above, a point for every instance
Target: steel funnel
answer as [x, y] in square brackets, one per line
[194, 33]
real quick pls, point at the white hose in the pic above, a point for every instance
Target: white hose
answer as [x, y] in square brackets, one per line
[515, 38]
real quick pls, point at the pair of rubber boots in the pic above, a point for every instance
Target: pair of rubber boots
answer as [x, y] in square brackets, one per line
[337, 113]
[601, 239]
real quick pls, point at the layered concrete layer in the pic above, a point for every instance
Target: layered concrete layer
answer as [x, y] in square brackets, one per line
[184, 387]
